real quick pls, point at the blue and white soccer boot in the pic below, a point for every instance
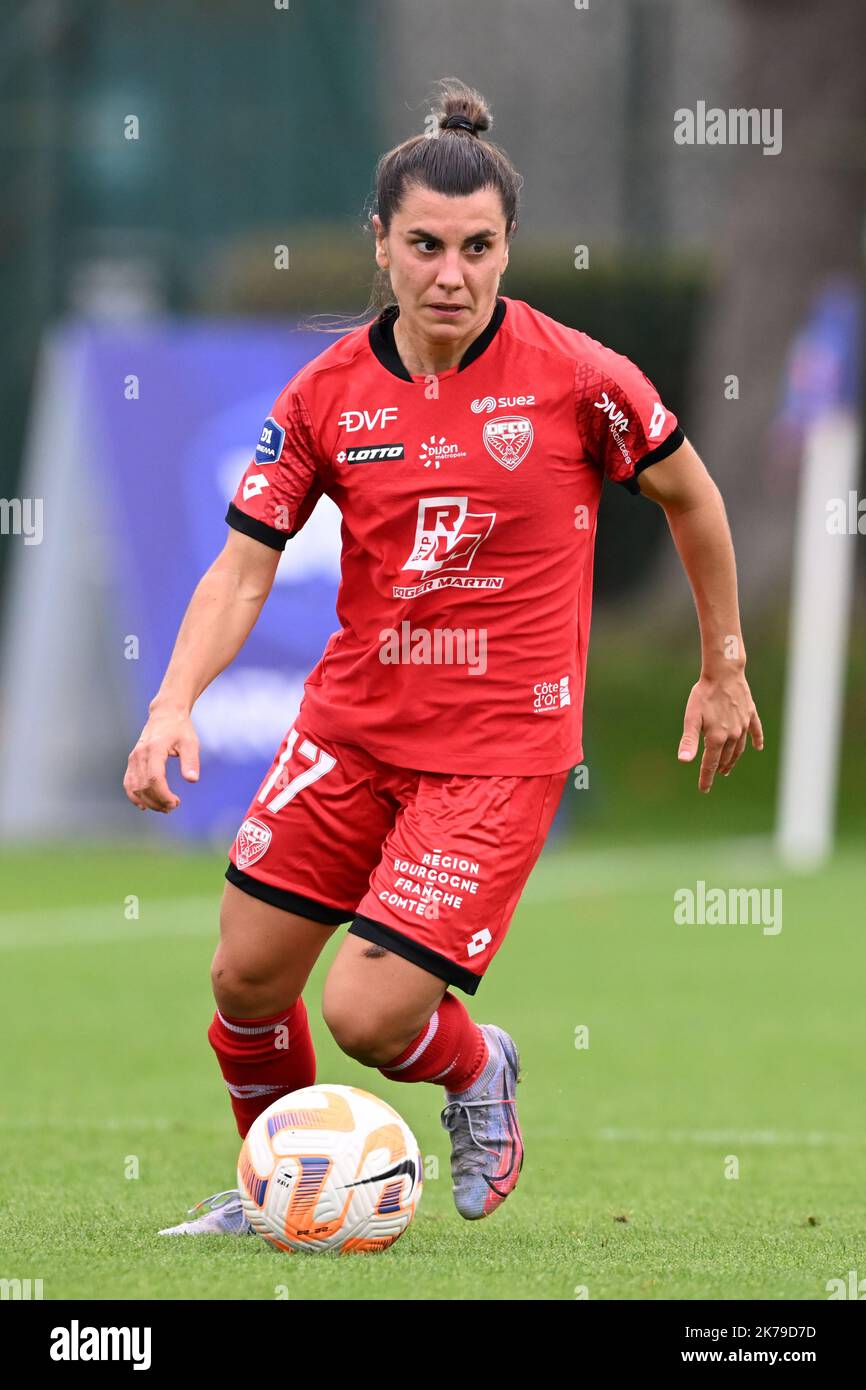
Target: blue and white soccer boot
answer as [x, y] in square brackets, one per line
[486, 1143]
[223, 1218]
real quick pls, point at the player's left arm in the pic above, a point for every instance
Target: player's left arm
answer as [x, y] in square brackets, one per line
[720, 705]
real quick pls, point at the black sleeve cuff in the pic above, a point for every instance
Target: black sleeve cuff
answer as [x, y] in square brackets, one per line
[673, 441]
[258, 530]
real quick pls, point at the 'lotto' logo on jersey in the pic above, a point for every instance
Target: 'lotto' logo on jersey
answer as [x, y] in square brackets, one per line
[658, 419]
[254, 485]
[271, 441]
[371, 453]
[352, 420]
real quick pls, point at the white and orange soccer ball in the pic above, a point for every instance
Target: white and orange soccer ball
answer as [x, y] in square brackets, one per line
[330, 1168]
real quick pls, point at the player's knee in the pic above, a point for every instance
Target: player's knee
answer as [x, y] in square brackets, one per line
[361, 1035]
[243, 989]
[346, 1026]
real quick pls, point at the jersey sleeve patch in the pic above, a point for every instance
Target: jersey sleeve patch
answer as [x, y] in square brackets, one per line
[623, 424]
[282, 483]
[271, 441]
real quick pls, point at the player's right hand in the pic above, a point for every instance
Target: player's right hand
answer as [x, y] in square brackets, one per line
[165, 735]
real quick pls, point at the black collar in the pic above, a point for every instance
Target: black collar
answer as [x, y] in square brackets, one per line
[382, 340]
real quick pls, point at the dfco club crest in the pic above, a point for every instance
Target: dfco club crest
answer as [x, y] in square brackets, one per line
[252, 842]
[508, 439]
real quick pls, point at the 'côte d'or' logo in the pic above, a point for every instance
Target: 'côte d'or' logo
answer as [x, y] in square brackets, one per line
[508, 439]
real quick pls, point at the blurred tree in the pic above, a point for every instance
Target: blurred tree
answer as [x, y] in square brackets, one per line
[793, 219]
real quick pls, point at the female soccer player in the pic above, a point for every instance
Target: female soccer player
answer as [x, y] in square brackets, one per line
[465, 437]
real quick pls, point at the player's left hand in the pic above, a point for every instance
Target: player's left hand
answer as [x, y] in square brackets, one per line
[722, 709]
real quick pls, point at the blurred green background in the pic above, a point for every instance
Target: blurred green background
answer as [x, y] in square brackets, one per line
[261, 126]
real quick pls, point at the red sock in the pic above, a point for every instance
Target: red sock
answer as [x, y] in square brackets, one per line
[450, 1050]
[262, 1059]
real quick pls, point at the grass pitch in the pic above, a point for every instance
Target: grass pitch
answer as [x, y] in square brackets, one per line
[712, 1050]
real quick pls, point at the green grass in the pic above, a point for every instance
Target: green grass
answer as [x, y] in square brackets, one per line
[706, 1042]
[637, 686]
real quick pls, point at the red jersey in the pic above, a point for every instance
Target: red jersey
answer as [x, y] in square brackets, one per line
[469, 502]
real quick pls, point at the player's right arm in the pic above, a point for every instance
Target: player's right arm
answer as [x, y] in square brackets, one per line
[221, 614]
[274, 499]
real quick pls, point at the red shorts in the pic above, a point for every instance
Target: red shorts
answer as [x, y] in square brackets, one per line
[429, 865]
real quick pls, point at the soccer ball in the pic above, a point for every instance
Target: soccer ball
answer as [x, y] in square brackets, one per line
[330, 1168]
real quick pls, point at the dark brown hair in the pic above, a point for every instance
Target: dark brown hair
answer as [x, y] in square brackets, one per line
[446, 159]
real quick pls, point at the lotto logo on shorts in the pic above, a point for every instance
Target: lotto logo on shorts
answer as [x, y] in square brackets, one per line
[252, 842]
[550, 695]
[480, 941]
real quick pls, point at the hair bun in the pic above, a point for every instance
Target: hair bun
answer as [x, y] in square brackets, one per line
[461, 108]
[460, 123]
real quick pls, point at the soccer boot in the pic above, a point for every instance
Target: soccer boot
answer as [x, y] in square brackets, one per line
[486, 1144]
[223, 1218]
